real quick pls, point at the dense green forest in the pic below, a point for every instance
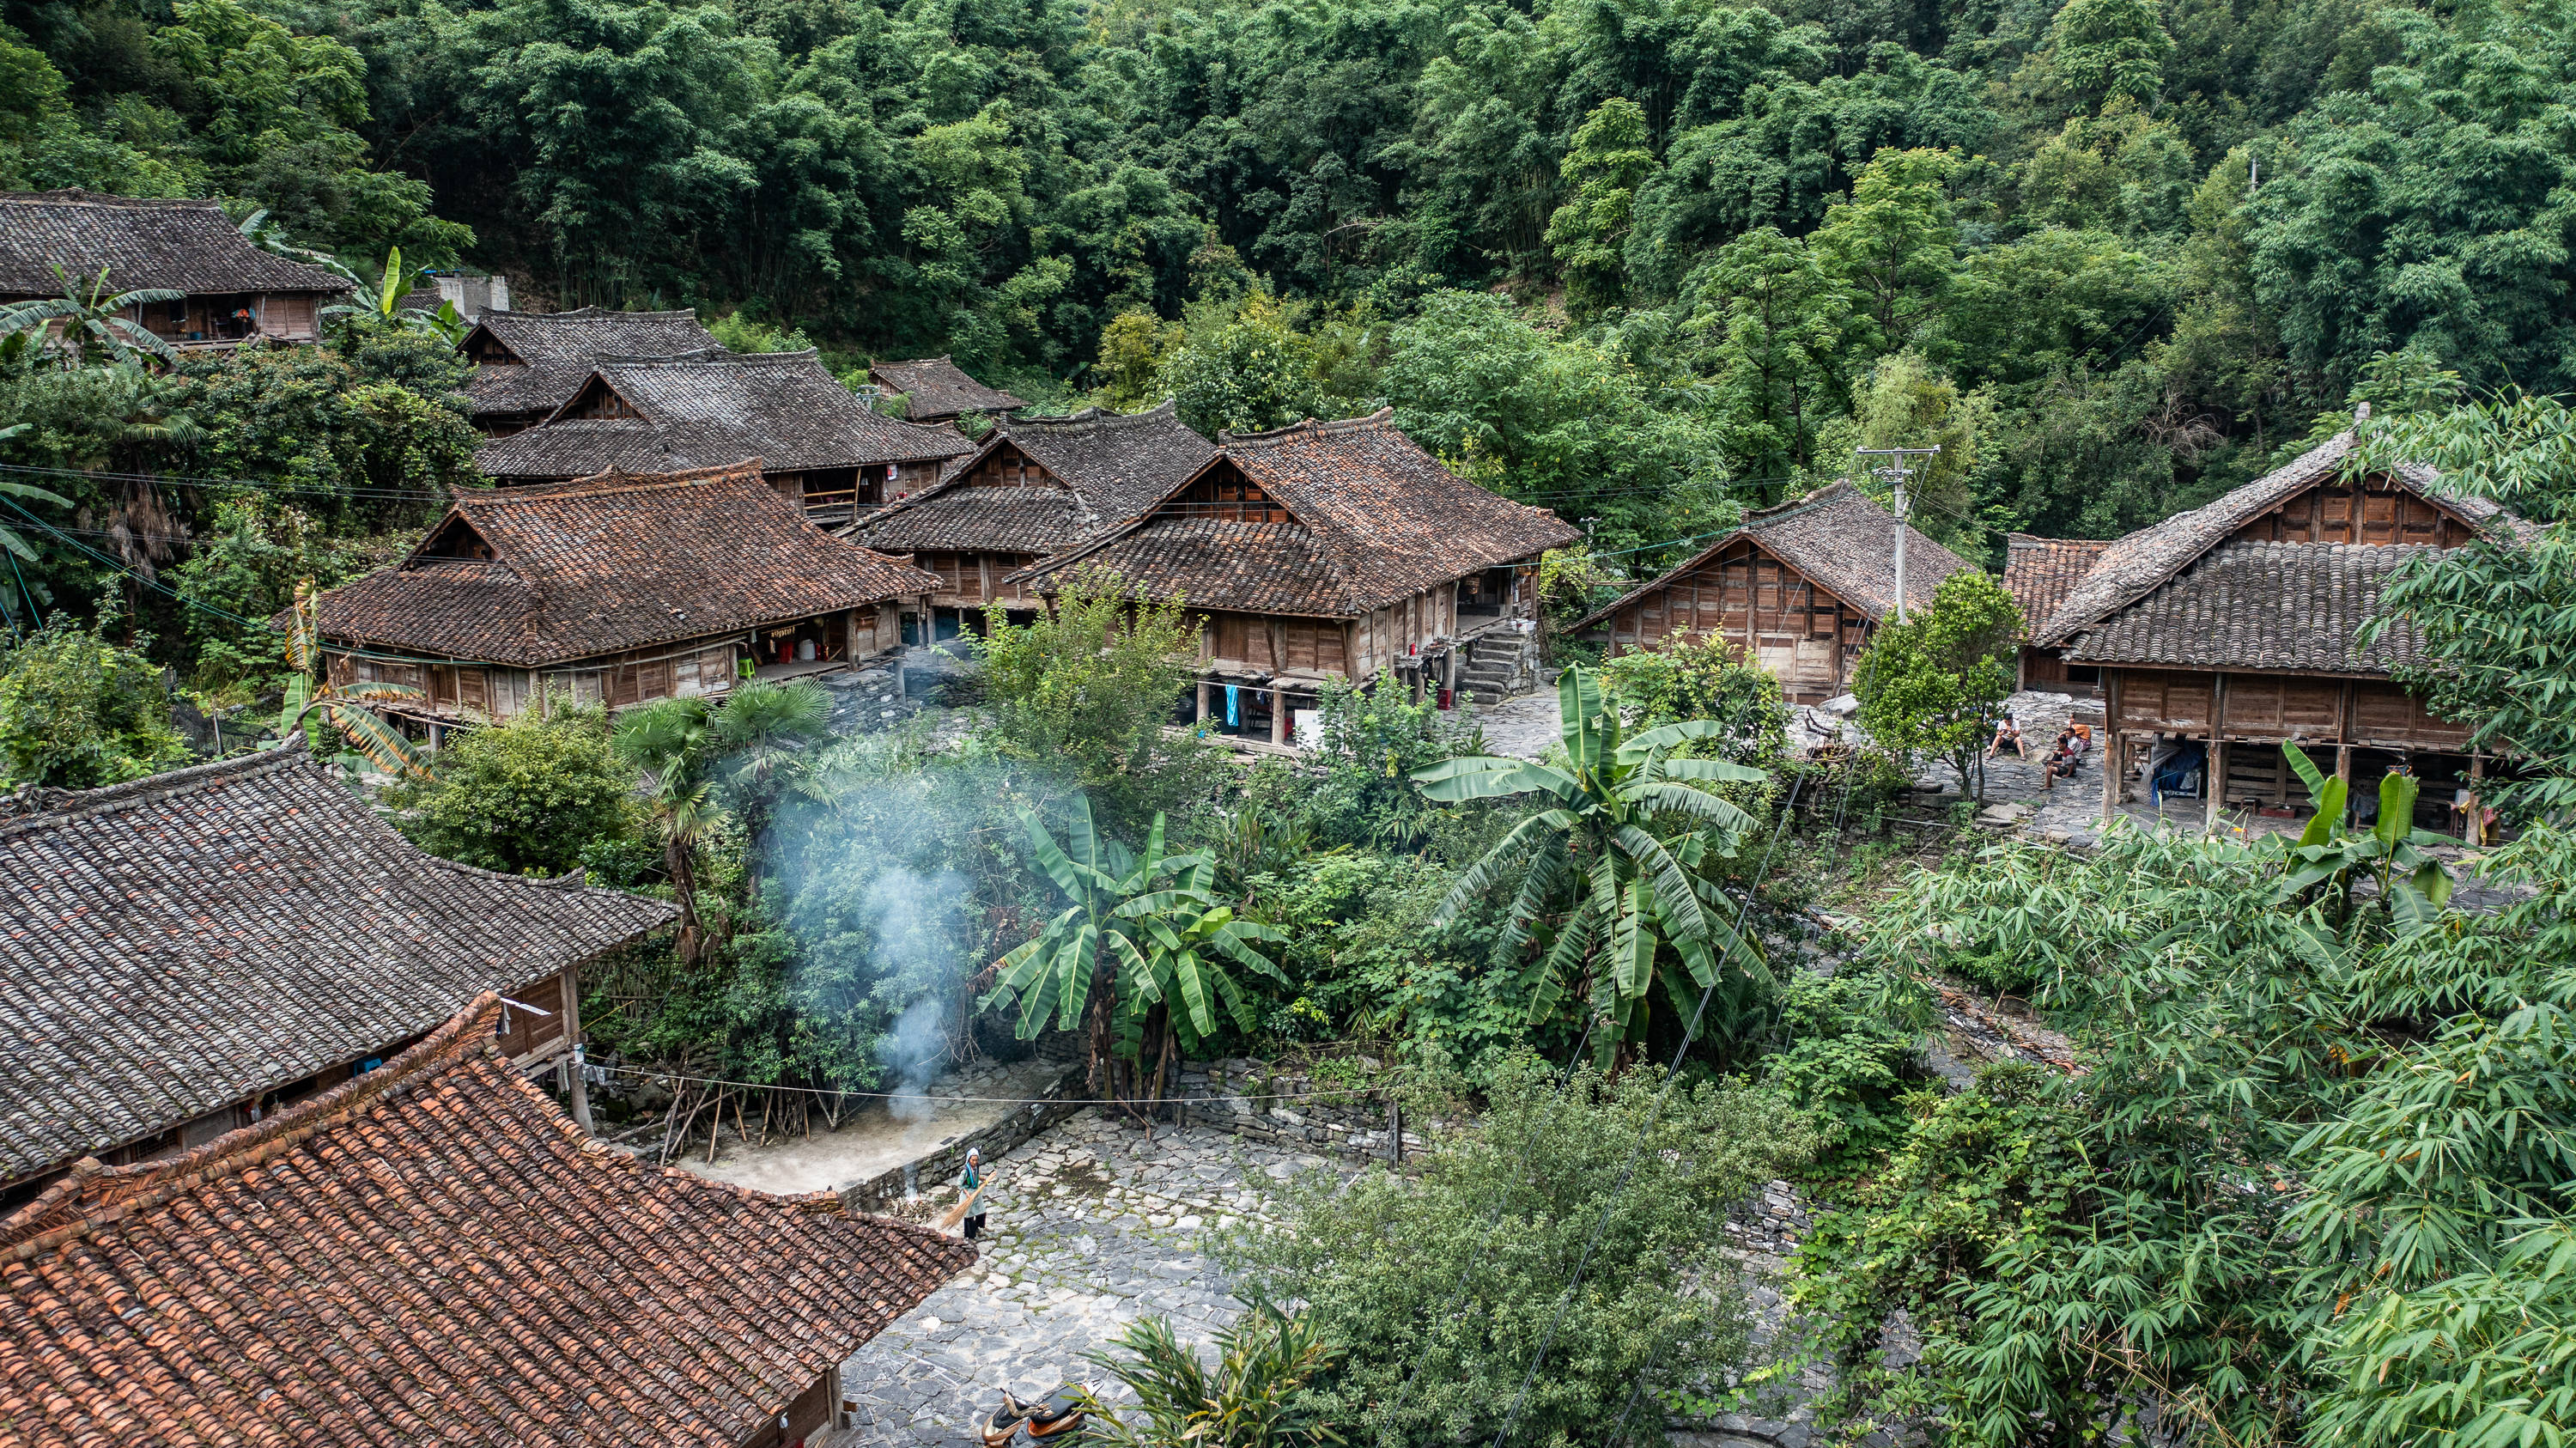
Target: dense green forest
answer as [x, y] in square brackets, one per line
[1643, 261]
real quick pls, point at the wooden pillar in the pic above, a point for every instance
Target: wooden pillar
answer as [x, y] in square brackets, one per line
[2114, 748]
[1199, 714]
[2343, 771]
[2473, 828]
[1278, 715]
[575, 1086]
[2213, 782]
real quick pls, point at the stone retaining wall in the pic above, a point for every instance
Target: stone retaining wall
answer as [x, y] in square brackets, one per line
[884, 1191]
[1290, 1108]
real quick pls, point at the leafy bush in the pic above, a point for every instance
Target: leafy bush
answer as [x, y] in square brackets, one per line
[537, 794]
[1844, 1062]
[1087, 689]
[1932, 684]
[77, 712]
[1373, 739]
[1438, 1290]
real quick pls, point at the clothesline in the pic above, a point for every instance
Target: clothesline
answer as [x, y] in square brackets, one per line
[650, 1073]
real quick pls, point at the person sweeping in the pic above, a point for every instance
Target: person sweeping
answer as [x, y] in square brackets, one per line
[976, 1194]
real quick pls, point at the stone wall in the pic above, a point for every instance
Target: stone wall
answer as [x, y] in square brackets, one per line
[1290, 1107]
[887, 1190]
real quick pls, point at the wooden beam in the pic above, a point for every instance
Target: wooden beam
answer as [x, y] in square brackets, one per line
[2213, 784]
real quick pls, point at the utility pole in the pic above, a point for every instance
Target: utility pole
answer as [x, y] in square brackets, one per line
[1896, 472]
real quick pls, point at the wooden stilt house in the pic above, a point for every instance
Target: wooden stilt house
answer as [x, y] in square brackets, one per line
[1796, 589]
[529, 364]
[1326, 550]
[235, 290]
[2039, 573]
[2222, 632]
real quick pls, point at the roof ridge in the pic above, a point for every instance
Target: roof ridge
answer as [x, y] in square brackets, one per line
[78, 196]
[616, 481]
[593, 312]
[38, 805]
[27, 1232]
[1093, 419]
[1383, 417]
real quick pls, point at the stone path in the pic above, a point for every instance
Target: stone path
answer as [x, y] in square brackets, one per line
[1098, 1227]
[1525, 726]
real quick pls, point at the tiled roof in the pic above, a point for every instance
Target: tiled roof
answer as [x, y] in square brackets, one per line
[559, 349]
[709, 409]
[613, 563]
[2262, 605]
[934, 388]
[1840, 537]
[1108, 468]
[2133, 565]
[431, 1253]
[2040, 572]
[1374, 519]
[179, 943]
[189, 245]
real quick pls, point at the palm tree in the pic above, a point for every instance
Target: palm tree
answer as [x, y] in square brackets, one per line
[95, 316]
[310, 691]
[1614, 866]
[698, 761]
[1140, 948]
[1251, 1398]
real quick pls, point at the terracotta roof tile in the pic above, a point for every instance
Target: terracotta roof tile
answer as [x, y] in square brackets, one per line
[612, 563]
[557, 351]
[189, 245]
[1373, 519]
[2040, 572]
[1840, 537]
[2262, 605]
[935, 388]
[1104, 468]
[709, 409]
[182, 942]
[431, 1253]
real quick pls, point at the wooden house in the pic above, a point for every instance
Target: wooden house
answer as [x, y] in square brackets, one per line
[2039, 573]
[612, 590]
[527, 365]
[187, 951]
[1796, 589]
[1333, 550]
[2236, 626]
[1032, 490]
[821, 446]
[430, 1253]
[935, 389]
[235, 290]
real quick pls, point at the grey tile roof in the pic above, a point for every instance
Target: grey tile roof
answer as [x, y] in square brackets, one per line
[935, 388]
[2141, 561]
[181, 942]
[2294, 606]
[1838, 536]
[711, 409]
[189, 245]
[1373, 519]
[558, 350]
[1107, 468]
[614, 563]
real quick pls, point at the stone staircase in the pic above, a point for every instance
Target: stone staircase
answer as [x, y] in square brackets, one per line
[1499, 665]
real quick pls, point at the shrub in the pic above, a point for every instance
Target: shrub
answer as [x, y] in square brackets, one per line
[78, 712]
[534, 795]
[1439, 1317]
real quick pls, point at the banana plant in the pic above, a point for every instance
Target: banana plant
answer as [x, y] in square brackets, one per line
[1139, 931]
[2331, 858]
[309, 691]
[1615, 866]
[92, 316]
[386, 305]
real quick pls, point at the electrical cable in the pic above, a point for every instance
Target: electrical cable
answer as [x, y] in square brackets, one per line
[1672, 1074]
[650, 1073]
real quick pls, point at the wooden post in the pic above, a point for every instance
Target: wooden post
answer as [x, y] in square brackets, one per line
[2343, 771]
[579, 1089]
[1278, 714]
[1199, 715]
[2473, 832]
[2114, 752]
[2213, 783]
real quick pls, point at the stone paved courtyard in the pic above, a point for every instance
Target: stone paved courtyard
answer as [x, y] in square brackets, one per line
[1099, 1227]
